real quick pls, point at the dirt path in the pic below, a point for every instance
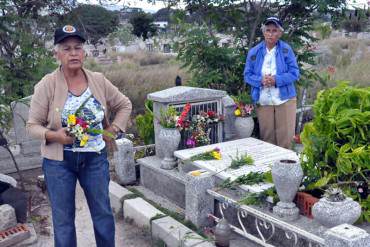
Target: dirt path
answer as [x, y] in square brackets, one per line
[127, 235]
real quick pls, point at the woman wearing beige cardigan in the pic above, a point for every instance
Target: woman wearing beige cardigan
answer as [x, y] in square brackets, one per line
[68, 91]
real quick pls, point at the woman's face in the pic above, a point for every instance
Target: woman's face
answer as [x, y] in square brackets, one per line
[71, 53]
[272, 34]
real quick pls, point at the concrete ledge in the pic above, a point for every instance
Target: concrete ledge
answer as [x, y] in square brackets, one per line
[166, 183]
[173, 233]
[140, 211]
[117, 194]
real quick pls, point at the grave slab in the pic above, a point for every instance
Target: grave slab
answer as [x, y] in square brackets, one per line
[263, 154]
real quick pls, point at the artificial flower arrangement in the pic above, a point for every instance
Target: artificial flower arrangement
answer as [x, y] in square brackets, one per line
[214, 154]
[200, 129]
[171, 118]
[243, 105]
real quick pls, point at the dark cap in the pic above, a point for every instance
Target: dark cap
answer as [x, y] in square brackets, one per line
[65, 32]
[274, 20]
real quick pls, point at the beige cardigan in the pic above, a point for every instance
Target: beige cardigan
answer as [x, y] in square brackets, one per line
[49, 98]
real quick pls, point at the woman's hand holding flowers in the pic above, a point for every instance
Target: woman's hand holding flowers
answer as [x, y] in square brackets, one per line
[61, 136]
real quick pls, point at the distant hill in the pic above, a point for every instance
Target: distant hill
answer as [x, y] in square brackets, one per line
[163, 14]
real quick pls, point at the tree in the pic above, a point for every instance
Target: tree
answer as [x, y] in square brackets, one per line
[222, 67]
[94, 20]
[143, 25]
[25, 27]
[23, 56]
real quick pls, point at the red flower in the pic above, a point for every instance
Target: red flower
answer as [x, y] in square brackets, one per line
[81, 122]
[331, 69]
[211, 114]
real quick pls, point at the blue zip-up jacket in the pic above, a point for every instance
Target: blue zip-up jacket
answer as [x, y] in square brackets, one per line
[287, 71]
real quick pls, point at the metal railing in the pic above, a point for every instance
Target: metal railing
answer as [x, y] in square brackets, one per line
[263, 223]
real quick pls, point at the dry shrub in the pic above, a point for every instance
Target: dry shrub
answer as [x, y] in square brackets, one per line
[137, 83]
[144, 58]
[342, 52]
[350, 57]
[141, 73]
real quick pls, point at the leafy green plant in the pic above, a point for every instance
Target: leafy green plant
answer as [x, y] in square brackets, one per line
[168, 117]
[145, 125]
[241, 160]
[337, 142]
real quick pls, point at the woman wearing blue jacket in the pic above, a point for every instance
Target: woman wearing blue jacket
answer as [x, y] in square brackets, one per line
[271, 70]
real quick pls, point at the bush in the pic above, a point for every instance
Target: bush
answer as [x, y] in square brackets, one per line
[337, 142]
[145, 124]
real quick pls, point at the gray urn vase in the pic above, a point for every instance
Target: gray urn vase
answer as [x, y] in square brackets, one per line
[222, 233]
[331, 214]
[287, 176]
[244, 126]
[169, 140]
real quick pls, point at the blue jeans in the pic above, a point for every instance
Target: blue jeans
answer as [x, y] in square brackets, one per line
[92, 172]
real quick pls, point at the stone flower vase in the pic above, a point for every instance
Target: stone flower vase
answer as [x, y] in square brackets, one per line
[222, 233]
[287, 176]
[169, 139]
[330, 214]
[244, 126]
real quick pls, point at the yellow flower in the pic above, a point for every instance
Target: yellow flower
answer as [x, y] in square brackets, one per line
[216, 155]
[71, 119]
[237, 112]
[84, 140]
[195, 173]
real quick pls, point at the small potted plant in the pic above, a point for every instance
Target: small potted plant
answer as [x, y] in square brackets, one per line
[244, 109]
[336, 209]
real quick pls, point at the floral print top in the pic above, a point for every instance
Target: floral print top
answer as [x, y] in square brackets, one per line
[92, 111]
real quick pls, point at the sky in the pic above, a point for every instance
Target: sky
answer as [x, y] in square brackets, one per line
[149, 7]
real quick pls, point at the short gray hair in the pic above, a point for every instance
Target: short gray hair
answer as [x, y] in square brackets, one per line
[263, 28]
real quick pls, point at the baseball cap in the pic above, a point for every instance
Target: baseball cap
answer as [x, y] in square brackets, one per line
[67, 31]
[274, 20]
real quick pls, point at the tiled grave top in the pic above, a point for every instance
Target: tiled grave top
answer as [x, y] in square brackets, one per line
[186, 94]
[263, 153]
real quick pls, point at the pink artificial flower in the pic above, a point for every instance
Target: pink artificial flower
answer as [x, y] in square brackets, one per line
[190, 142]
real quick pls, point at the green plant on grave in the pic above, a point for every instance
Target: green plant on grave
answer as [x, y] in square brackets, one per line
[168, 117]
[337, 142]
[259, 198]
[145, 125]
[248, 179]
[241, 160]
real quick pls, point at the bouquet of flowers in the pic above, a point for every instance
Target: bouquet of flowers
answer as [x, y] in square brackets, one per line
[200, 130]
[172, 119]
[214, 154]
[80, 128]
[243, 105]
[79, 125]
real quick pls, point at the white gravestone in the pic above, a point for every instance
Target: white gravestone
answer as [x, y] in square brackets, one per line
[264, 155]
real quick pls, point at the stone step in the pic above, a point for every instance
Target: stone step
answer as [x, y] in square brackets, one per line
[117, 194]
[140, 211]
[173, 233]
